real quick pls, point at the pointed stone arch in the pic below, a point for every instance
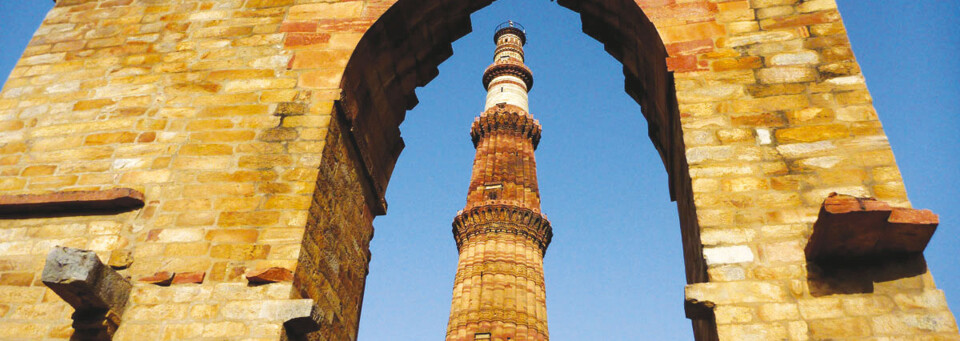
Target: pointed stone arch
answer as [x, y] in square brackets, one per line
[262, 134]
[729, 93]
[402, 49]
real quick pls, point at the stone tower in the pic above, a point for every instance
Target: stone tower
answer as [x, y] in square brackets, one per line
[498, 292]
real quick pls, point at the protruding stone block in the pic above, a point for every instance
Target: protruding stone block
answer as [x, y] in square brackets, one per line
[117, 199]
[162, 278]
[269, 275]
[188, 277]
[120, 259]
[97, 292]
[850, 229]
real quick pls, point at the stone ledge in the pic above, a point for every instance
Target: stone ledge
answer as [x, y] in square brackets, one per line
[853, 229]
[116, 199]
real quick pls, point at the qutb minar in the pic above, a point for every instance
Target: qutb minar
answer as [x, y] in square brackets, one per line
[499, 291]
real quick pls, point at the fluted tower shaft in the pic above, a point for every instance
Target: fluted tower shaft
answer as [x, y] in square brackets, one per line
[499, 291]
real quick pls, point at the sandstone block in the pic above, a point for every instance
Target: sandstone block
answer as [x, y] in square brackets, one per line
[240, 252]
[79, 201]
[345, 9]
[98, 293]
[162, 278]
[269, 275]
[812, 133]
[188, 277]
[787, 74]
[779, 312]
[850, 228]
[232, 235]
[839, 328]
[120, 259]
[735, 292]
[728, 254]
[761, 331]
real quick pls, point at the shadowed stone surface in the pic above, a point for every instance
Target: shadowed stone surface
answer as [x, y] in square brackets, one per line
[300, 316]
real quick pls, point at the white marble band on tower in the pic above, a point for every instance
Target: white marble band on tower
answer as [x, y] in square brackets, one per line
[508, 80]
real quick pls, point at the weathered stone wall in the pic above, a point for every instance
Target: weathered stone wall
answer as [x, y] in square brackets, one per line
[335, 256]
[219, 112]
[191, 103]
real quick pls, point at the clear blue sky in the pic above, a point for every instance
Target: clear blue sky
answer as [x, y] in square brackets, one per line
[614, 270]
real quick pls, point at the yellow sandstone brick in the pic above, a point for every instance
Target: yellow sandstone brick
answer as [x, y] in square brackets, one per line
[836, 328]
[265, 161]
[38, 170]
[258, 218]
[92, 104]
[23, 330]
[288, 202]
[209, 190]
[315, 59]
[194, 218]
[812, 133]
[729, 136]
[890, 191]
[345, 9]
[770, 331]
[219, 99]
[235, 110]
[249, 85]
[733, 314]
[145, 177]
[194, 249]
[108, 138]
[182, 331]
[203, 311]
[779, 312]
[817, 5]
[206, 149]
[820, 308]
[232, 235]
[273, 96]
[886, 174]
[239, 251]
[223, 136]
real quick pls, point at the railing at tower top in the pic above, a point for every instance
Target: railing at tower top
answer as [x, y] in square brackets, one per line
[510, 23]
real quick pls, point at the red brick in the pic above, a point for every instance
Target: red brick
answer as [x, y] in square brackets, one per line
[112, 199]
[299, 26]
[852, 229]
[692, 47]
[269, 275]
[682, 64]
[304, 39]
[162, 278]
[188, 277]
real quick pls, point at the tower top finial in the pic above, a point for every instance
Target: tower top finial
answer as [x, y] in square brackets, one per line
[511, 27]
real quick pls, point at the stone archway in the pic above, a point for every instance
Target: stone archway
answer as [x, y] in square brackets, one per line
[762, 100]
[260, 134]
[398, 54]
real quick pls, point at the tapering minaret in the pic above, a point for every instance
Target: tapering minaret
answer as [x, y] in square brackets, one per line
[499, 293]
